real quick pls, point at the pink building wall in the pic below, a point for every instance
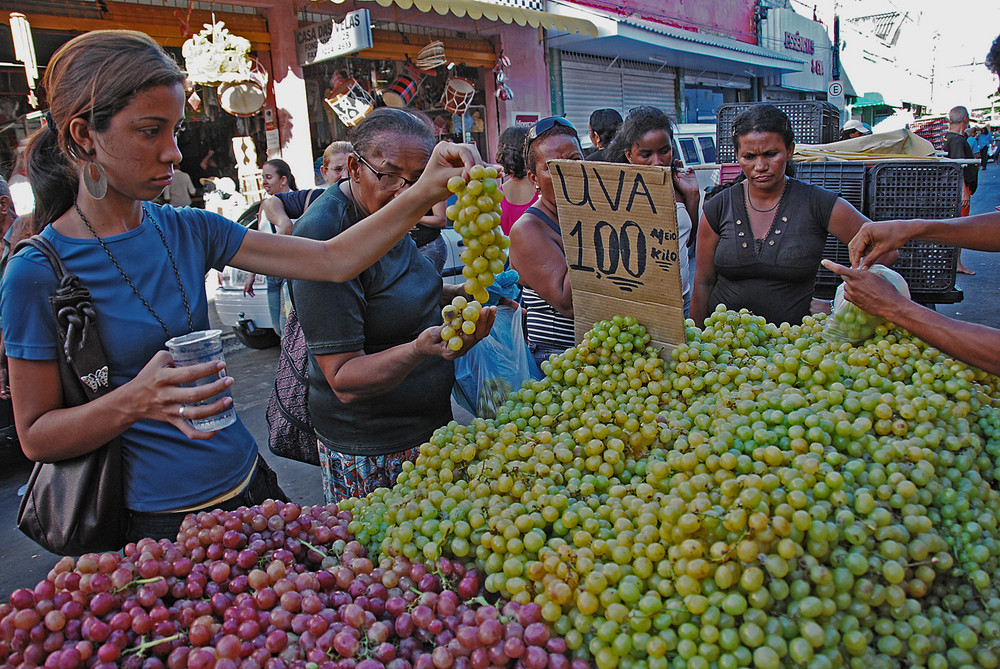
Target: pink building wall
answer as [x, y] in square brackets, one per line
[528, 74]
[730, 18]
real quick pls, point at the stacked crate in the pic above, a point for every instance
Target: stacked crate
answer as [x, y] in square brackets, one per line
[813, 122]
[890, 191]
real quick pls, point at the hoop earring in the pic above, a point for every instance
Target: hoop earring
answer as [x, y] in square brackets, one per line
[94, 178]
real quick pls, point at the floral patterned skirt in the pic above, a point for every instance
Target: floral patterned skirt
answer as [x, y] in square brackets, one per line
[357, 475]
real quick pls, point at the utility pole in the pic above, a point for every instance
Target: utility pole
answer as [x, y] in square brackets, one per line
[836, 47]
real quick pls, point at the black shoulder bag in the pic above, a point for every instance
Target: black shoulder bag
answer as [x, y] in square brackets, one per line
[77, 505]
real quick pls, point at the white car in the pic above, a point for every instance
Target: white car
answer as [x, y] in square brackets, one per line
[452, 272]
[249, 317]
[696, 147]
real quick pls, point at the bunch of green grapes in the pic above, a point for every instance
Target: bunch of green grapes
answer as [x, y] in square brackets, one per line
[477, 218]
[767, 498]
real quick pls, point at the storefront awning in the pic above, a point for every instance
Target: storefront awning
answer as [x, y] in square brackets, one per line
[638, 39]
[875, 100]
[476, 10]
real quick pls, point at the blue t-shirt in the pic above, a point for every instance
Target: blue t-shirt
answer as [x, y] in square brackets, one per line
[163, 469]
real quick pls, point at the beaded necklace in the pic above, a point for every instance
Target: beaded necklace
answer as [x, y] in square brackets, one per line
[173, 263]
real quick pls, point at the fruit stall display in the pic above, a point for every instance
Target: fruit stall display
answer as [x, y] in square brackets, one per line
[931, 128]
[763, 498]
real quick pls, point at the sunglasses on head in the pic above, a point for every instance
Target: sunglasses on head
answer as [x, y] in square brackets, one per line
[547, 124]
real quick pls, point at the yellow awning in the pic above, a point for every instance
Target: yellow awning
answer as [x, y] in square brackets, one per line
[476, 10]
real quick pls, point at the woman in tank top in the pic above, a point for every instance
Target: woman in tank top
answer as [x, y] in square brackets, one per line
[536, 248]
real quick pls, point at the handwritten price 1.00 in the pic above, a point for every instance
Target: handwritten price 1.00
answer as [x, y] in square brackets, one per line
[613, 248]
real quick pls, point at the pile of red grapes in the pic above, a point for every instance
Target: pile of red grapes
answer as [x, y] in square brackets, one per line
[276, 585]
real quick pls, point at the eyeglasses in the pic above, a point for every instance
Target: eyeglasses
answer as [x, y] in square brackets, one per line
[547, 124]
[386, 180]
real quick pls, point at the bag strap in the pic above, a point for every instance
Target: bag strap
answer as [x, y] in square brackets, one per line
[45, 247]
[83, 365]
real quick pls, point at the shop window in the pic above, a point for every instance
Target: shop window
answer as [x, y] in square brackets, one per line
[428, 93]
[700, 104]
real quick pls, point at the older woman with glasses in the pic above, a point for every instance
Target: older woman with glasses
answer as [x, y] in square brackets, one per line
[536, 247]
[380, 376]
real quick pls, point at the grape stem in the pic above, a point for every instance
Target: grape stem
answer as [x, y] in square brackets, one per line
[141, 649]
[313, 548]
[925, 563]
[138, 581]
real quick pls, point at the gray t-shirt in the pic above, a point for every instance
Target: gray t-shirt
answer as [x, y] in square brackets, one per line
[388, 304]
[776, 283]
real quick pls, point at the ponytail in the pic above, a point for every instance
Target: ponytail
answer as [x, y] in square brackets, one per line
[54, 181]
[715, 190]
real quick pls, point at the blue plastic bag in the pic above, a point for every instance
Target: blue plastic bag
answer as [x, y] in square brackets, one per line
[495, 367]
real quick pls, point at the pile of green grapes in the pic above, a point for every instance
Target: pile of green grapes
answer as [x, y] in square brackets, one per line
[765, 499]
[477, 218]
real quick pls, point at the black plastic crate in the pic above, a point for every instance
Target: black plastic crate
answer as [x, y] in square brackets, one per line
[827, 281]
[845, 179]
[848, 181]
[929, 268]
[901, 190]
[814, 122]
[914, 189]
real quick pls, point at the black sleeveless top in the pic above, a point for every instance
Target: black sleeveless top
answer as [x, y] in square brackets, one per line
[777, 282]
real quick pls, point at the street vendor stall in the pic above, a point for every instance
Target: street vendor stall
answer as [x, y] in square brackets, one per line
[757, 496]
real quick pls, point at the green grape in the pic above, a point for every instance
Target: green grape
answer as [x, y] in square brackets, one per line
[477, 219]
[761, 496]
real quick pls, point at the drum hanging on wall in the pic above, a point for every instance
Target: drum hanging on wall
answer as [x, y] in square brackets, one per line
[401, 92]
[350, 102]
[458, 94]
[244, 98]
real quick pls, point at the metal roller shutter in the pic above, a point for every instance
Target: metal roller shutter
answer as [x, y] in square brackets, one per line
[593, 82]
[647, 89]
[588, 85]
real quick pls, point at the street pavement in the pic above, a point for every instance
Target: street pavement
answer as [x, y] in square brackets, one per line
[22, 563]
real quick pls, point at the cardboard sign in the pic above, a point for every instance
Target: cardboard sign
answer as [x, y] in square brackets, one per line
[619, 229]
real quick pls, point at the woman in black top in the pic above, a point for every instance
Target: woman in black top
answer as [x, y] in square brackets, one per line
[380, 375]
[760, 240]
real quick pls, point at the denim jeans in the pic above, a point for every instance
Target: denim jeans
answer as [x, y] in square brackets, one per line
[541, 352]
[274, 304]
[263, 485]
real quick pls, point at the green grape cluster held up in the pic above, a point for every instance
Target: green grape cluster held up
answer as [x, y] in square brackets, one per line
[477, 218]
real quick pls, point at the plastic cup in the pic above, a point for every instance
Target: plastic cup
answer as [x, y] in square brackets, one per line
[196, 348]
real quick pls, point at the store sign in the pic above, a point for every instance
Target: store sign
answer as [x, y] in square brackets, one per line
[329, 39]
[619, 229]
[799, 43]
[795, 36]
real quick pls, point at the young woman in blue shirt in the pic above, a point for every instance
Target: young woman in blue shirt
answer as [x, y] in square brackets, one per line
[117, 103]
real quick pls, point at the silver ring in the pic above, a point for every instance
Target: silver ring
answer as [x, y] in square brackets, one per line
[180, 412]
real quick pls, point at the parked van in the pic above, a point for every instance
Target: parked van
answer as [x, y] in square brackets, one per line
[696, 147]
